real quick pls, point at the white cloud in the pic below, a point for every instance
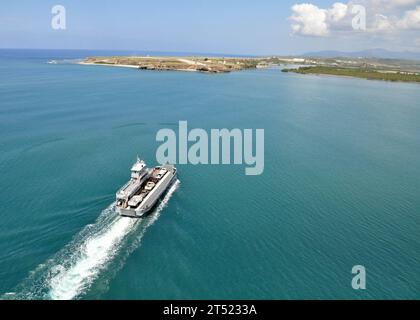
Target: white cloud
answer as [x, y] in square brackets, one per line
[338, 11]
[411, 19]
[384, 16]
[310, 20]
[381, 23]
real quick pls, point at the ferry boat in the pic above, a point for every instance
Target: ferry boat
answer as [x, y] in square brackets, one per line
[139, 195]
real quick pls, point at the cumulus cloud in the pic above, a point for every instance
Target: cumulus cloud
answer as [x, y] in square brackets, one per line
[411, 19]
[383, 16]
[381, 23]
[310, 20]
[337, 12]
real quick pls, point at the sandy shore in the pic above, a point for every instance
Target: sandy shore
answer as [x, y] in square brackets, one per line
[189, 64]
[109, 65]
[132, 66]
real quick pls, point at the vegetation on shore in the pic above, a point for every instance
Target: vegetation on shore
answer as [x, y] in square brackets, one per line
[395, 76]
[372, 69]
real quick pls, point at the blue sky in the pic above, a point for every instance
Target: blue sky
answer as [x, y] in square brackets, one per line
[234, 26]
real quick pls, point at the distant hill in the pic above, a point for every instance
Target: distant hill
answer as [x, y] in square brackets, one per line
[371, 53]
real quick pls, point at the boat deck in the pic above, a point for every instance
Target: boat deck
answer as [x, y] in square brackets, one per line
[149, 184]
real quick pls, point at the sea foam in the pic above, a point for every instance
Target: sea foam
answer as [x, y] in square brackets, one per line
[95, 252]
[74, 269]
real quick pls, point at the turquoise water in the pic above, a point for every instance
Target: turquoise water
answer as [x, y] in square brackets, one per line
[340, 188]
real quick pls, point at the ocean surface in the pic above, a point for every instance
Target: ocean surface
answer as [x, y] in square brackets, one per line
[341, 185]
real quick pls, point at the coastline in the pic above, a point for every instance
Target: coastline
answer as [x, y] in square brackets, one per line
[361, 78]
[131, 66]
[375, 75]
[231, 64]
[183, 63]
[108, 65]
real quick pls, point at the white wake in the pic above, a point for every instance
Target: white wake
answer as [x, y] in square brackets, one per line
[94, 253]
[91, 258]
[75, 267]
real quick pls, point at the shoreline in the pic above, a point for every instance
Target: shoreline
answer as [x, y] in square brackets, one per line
[375, 75]
[128, 66]
[361, 78]
[186, 64]
[108, 65]
[323, 75]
